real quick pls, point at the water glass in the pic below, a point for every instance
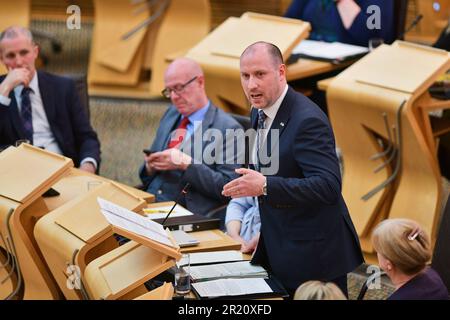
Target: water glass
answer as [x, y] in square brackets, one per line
[183, 276]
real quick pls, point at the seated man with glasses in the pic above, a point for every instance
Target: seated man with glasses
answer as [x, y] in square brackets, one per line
[191, 144]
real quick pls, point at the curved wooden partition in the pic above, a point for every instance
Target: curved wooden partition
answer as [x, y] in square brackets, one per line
[27, 173]
[390, 168]
[125, 44]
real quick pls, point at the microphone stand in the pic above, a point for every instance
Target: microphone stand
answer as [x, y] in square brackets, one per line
[183, 192]
[412, 25]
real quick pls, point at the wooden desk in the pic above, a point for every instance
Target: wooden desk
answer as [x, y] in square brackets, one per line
[92, 237]
[304, 68]
[121, 272]
[212, 240]
[27, 173]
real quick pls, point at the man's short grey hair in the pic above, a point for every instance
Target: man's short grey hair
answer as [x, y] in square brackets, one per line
[14, 31]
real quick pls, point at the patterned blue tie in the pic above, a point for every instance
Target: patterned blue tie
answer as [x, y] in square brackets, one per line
[259, 137]
[25, 113]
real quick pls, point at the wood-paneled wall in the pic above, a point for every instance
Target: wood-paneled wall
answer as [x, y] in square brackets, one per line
[56, 9]
[429, 28]
[220, 9]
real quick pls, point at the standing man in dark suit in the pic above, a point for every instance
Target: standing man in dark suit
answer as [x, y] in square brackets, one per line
[190, 144]
[306, 230]
[42, 108]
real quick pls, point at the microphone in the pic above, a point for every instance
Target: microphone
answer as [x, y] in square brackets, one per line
[183, 192]
[412, 25]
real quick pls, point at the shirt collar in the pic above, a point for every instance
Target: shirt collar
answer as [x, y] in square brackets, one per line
[271, 111]
[34, 85]
[198, 115]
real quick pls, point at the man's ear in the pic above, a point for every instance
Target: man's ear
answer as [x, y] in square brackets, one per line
[36, 50]
[201, 81]
[282, 70]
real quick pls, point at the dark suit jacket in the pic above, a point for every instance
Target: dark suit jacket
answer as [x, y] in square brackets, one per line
[306, 230]
[66, 116]
[427, 285]
[206, 179]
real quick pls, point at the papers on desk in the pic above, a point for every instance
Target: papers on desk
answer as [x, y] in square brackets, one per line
[240, 269]
[231, 287]
[213, 257]
[160, 212]
[334, 52]
[133, 222]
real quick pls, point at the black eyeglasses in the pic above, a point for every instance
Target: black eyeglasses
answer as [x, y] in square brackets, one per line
[177, 89]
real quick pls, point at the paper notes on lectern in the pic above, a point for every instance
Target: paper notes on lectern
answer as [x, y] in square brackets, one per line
[132, 222]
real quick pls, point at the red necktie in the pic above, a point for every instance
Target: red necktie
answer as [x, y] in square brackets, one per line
[179, 134]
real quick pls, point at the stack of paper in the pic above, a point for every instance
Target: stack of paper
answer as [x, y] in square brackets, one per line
[240, 269]
[334, 51]
[231, 287]
[133, 222]
[160, 212]
[213, 257]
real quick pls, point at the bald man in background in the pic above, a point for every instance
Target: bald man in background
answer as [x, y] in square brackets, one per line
[174, 160]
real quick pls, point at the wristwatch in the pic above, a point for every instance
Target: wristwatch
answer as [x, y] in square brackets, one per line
[264, 188]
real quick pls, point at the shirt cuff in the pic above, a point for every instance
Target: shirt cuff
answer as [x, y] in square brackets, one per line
[5, 100]
[91, 160]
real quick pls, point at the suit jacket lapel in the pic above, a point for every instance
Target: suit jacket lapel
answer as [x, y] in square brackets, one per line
[188, 145]
[15, 116]
[280, 122]
[48, 99]
[172, 120]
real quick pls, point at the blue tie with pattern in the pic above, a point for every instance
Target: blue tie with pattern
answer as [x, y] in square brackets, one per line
[25, 112]
[259, 137]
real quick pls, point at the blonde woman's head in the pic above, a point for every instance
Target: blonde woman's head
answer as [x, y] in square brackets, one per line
[318, 290]
[403, 244]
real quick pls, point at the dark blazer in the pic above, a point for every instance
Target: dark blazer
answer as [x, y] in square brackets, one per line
[306, 230]
[206, 179]
[326, 22]
[427, 285]
[66, 116]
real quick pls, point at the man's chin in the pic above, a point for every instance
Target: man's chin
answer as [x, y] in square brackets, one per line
[258, 104]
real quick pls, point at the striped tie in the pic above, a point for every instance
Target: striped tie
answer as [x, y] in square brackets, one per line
[259, 137]
[26, 114]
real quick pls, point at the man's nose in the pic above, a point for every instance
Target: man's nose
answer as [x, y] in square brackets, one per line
[252, 83]
[18, 62]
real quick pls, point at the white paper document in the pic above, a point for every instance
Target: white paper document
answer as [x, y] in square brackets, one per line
[133, 222]
[231, 287]
[328, 50]
[214, 257]
[160, 212]
[240, 269]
